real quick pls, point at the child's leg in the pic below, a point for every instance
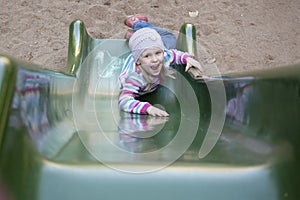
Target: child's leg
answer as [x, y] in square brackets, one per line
[168, 38]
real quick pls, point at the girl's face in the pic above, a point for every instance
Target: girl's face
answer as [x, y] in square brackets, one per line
[152, 61]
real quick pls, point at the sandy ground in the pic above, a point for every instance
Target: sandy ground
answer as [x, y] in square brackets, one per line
[237, 35]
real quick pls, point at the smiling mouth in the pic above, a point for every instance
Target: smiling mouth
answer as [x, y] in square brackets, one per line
[155, 67]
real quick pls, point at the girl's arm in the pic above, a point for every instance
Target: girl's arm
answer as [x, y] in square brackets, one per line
[180, 57]
[128, 103]
[129, 91]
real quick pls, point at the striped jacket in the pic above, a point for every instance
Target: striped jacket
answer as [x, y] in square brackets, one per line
[133, 83]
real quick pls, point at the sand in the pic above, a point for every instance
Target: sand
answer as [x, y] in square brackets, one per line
[236, 35]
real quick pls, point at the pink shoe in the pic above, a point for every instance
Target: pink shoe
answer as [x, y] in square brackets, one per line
[129, 33]
[129, 21]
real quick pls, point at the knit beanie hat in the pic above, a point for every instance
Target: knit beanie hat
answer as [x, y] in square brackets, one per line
[143, 39]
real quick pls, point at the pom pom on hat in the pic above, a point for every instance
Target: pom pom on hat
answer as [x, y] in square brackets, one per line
[143, 39]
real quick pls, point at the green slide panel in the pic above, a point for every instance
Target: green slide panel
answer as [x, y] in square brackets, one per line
[62, 136]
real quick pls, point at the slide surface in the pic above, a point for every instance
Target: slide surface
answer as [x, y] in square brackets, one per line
[62, 135]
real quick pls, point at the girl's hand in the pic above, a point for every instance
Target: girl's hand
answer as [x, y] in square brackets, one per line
[191, 62]
[156, 112]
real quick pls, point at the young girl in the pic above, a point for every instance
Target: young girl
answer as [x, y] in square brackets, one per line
[145, 68]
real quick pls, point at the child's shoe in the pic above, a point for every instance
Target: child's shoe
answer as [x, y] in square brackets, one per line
[128, 34]
[130, 20]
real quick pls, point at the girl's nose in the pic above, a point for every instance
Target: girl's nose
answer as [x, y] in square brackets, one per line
[154, 58]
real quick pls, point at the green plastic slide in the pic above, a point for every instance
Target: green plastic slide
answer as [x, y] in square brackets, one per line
[62, 136]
